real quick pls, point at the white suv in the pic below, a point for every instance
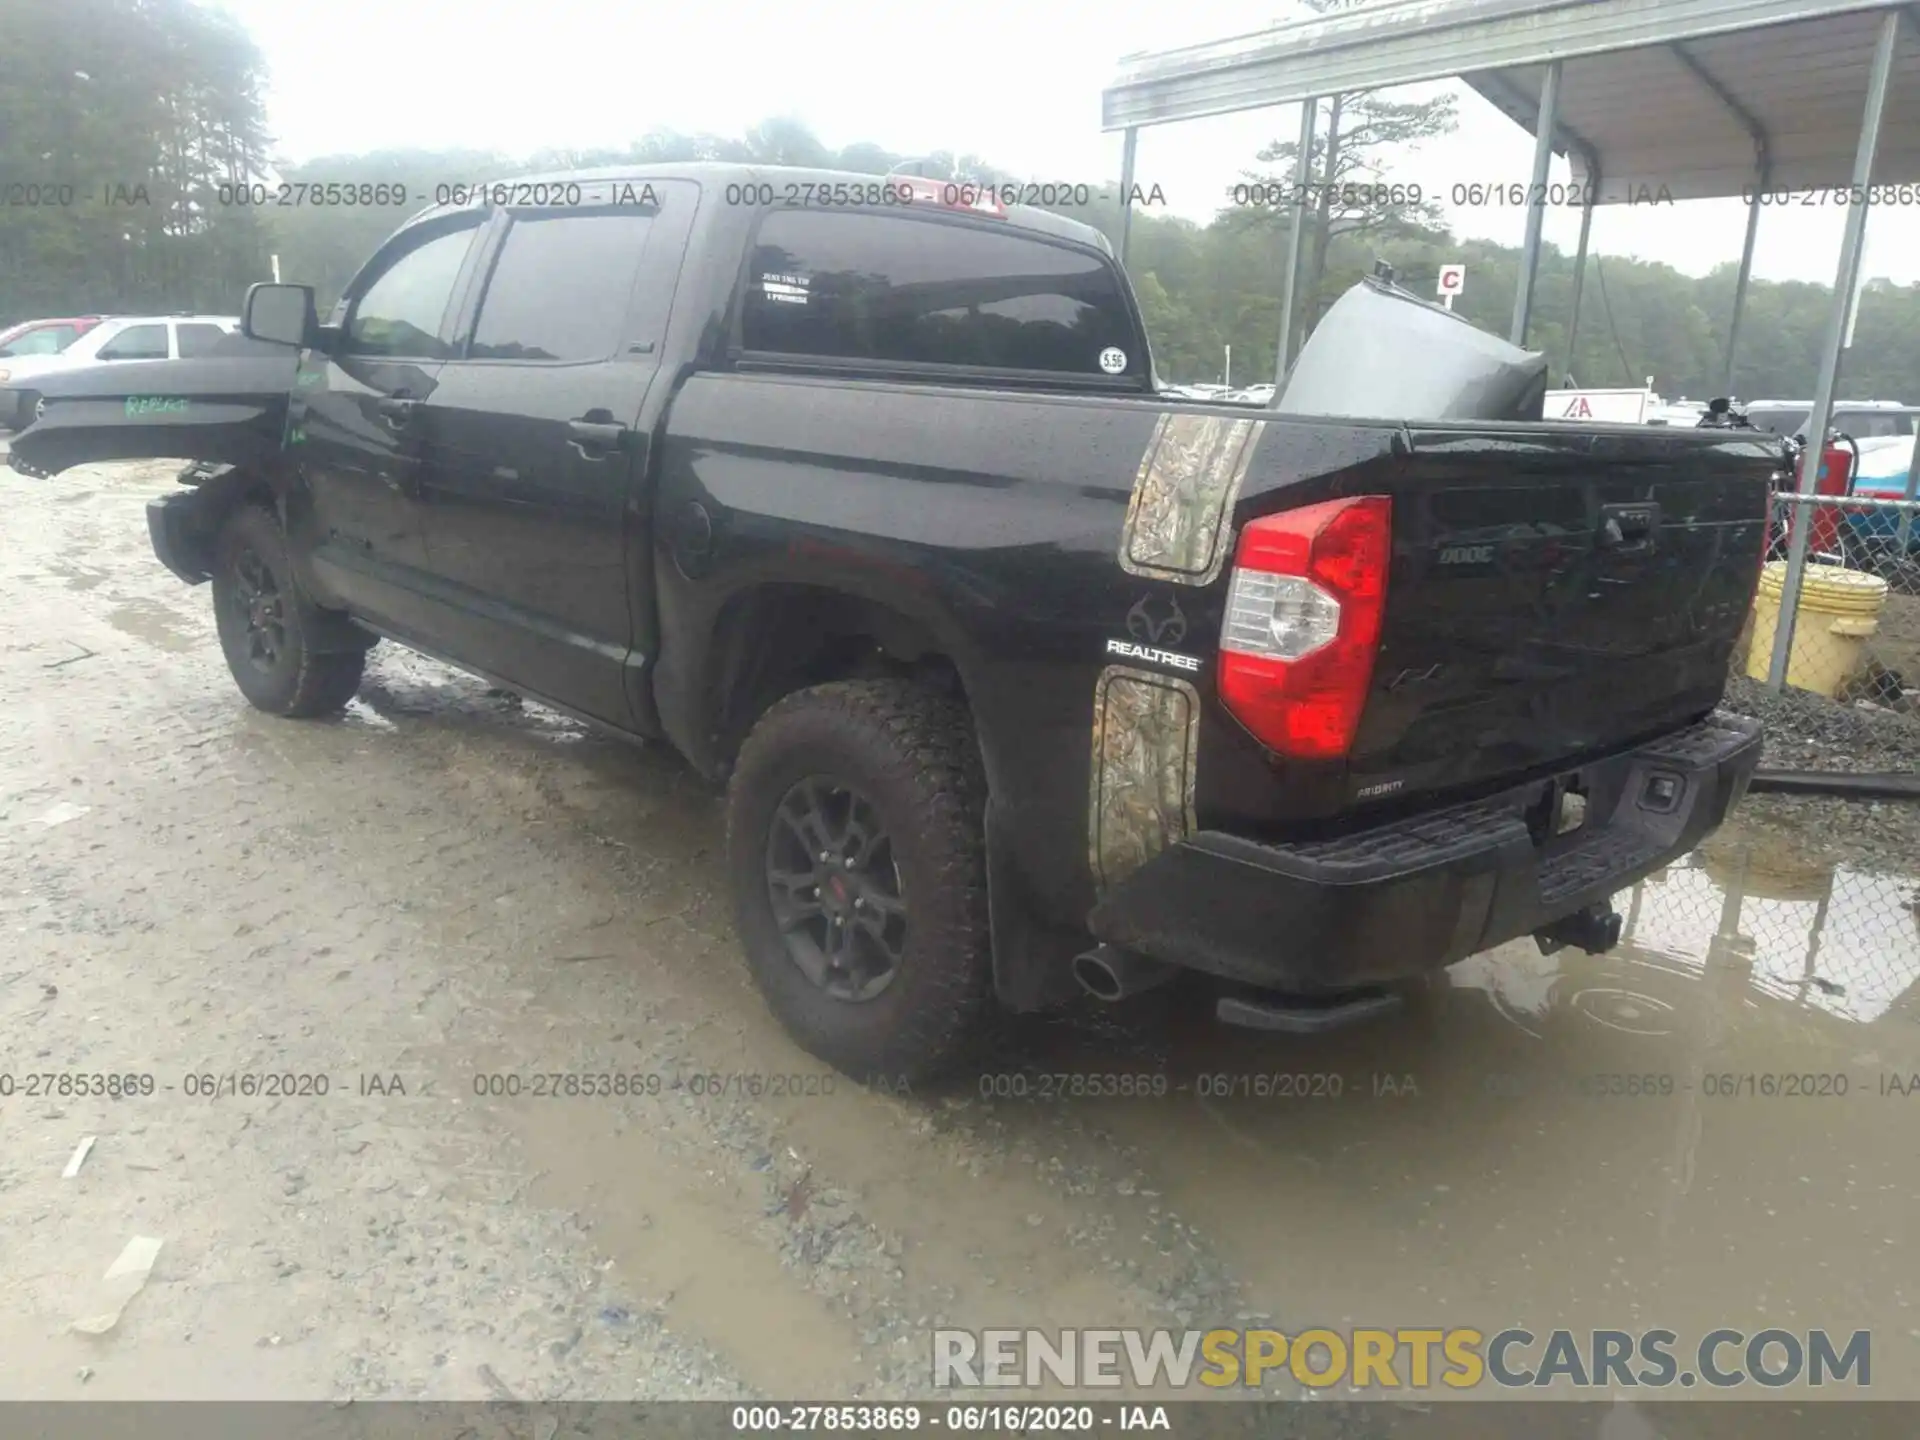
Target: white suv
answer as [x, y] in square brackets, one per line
[125, 337]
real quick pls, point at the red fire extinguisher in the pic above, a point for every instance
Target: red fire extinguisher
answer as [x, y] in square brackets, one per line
[1835, 478]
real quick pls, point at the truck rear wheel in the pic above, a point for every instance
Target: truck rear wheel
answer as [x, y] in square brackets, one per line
[267, 624]
[856, 855]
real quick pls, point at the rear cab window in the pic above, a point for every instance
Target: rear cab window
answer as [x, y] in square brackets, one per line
[938, 294]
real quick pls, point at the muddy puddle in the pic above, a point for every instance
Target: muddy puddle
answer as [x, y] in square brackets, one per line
[1715, 1125]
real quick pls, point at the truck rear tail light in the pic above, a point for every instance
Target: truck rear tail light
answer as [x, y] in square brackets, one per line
[1302, 626]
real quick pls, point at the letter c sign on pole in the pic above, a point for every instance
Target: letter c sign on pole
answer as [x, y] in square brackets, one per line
[1453, 280]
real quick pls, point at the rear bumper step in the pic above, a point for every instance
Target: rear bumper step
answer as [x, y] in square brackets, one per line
[1403, 899]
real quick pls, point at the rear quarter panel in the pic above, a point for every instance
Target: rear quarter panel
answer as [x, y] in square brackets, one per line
[998, 521]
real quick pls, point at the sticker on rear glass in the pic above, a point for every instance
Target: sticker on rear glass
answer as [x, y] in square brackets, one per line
[785, 289]
[1113, 360]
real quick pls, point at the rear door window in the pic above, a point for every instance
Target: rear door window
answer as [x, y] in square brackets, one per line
[199, 339]
[560, 287]
[895, 289]
[137, 342]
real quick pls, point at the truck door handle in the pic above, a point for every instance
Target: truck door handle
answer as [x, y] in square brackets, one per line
[395, 410]
[596, 439]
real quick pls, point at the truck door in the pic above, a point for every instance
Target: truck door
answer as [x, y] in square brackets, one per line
[537, 530]
[353, 422]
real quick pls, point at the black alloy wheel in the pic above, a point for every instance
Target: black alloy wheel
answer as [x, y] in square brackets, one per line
[257, 593]
[283, 651]
[835, 888]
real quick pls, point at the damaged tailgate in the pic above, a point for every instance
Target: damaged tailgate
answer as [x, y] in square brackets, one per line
[227, 407]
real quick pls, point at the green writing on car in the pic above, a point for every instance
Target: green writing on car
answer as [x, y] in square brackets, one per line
[155, 404]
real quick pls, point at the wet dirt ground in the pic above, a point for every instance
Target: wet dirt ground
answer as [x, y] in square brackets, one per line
[445, 888]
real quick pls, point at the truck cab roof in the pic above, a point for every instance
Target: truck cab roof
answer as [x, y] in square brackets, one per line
[789, 184]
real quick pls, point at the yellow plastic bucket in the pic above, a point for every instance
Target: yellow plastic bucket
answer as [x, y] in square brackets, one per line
[1839, 610]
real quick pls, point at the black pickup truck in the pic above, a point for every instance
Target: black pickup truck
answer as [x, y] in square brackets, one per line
[1025, 679]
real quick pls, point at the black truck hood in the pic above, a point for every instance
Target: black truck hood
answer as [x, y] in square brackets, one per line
[229, 407]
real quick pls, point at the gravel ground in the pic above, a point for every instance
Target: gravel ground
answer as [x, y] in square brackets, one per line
[1810, 732]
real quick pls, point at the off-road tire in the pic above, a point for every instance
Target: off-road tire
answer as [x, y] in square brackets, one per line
[911, 751]
[298, 682]
[25, 403]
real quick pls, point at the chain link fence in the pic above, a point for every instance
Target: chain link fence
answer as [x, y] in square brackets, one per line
[1811, 899]
[1855, 635]
[1787, 930]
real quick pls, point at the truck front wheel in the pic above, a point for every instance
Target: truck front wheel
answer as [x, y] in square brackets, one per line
[857, 863]
[267, 623]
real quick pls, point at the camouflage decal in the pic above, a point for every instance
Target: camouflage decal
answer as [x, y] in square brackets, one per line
[1145, 732]
[1182, 504]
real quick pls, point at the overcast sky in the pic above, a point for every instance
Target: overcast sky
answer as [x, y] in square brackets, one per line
[1017, 82]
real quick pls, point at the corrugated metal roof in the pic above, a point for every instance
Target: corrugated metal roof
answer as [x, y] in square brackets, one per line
[1659, 92]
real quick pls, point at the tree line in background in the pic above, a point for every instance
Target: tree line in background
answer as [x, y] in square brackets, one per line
[126, 126]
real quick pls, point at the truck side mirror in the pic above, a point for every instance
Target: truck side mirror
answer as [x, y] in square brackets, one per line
[282, 314]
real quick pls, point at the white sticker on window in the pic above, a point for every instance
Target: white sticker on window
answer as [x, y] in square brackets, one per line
[785, 289]
[1113, 360]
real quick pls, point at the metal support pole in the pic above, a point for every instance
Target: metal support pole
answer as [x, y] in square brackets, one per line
[1745, 275]
[1810, 967]
[1844, 284]
[1543, 128]
[1580, 262]
[1290, 282]
[1129, 147]
[1763, 167]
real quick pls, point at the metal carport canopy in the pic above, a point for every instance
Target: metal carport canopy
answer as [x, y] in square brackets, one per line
[1688, 95]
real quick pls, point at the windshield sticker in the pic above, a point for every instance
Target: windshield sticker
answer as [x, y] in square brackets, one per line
[785, 289]
[155, 405]
[1113, 360]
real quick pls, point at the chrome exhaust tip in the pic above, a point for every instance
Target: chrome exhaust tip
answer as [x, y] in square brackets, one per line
[1109, 974]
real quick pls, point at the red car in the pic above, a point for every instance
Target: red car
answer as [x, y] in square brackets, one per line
[44, 337]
